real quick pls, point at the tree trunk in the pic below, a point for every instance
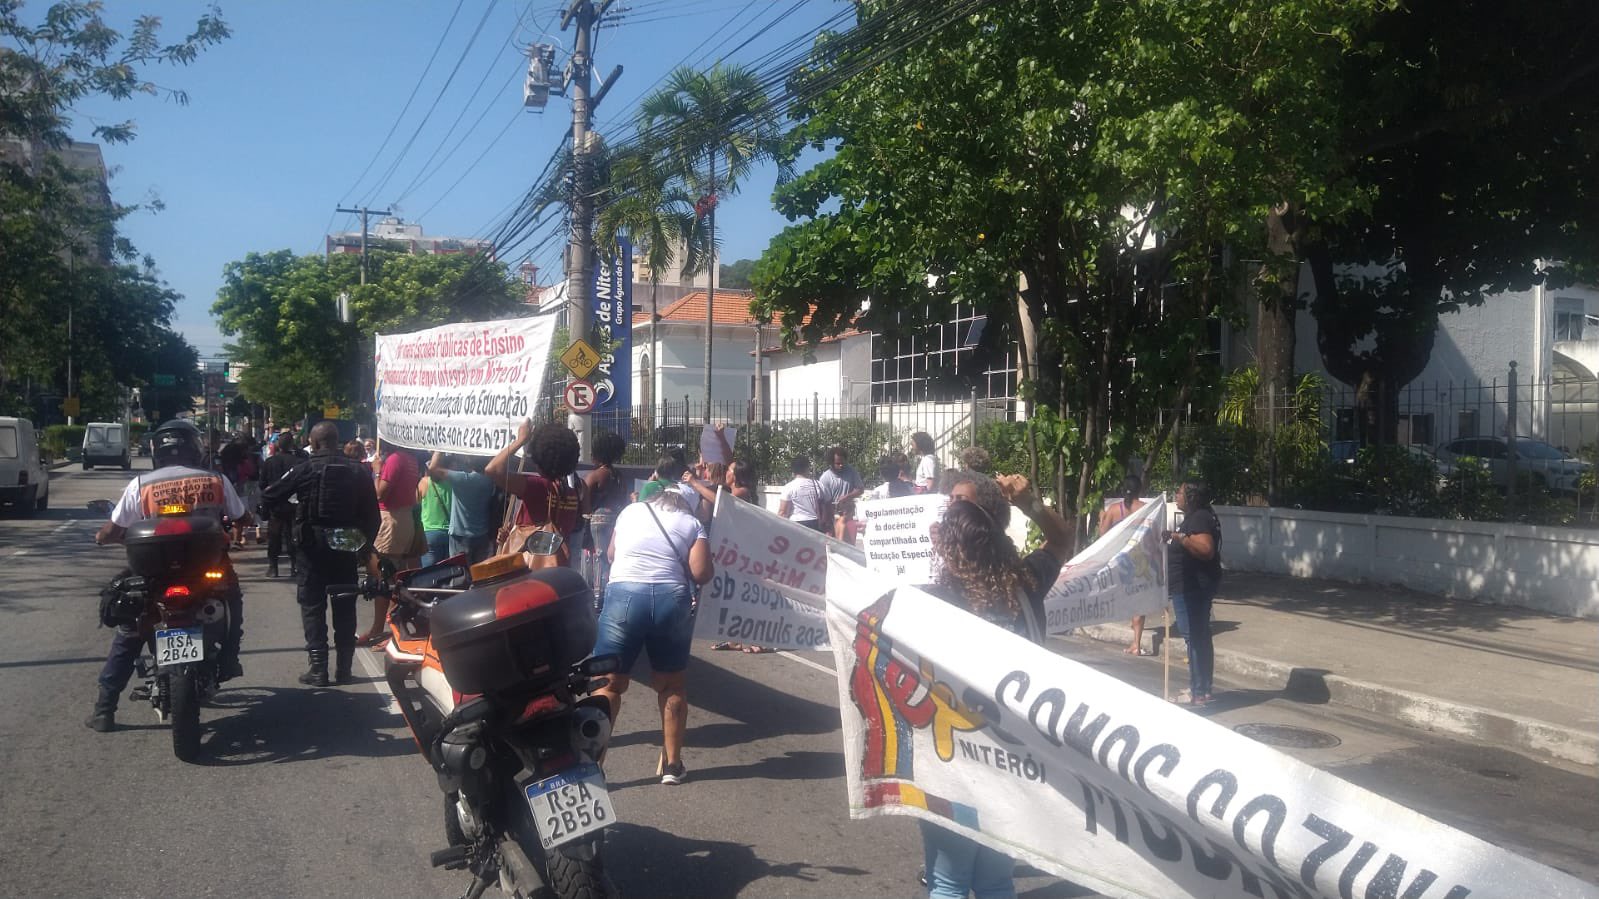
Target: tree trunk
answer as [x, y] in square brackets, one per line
[1277, 307]
[710, 291]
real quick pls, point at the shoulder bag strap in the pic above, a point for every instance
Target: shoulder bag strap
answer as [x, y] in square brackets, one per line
[687, 575]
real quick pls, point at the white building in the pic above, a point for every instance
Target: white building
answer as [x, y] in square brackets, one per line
[675, 366]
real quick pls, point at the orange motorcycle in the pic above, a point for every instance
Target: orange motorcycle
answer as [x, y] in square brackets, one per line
[490, 666]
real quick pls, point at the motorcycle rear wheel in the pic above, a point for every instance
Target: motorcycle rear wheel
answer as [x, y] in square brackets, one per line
[185, 704]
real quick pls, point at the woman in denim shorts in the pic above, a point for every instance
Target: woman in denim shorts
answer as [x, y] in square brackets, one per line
[658, 553]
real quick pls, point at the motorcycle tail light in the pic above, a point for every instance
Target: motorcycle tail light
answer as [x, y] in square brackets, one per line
[178, 596]
[540, 705]
[177, 592]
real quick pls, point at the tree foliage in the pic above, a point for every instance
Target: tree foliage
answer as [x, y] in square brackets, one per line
[58, 244]
[1104, 152]
[282, 310]
[1477, 139]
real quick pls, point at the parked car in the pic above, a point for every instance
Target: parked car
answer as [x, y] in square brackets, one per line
[24, 479]
[106, 443]
[1547, 465]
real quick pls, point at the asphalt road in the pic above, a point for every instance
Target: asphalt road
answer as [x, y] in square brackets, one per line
[306, 792]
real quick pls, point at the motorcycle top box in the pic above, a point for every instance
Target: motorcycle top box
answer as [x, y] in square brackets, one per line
[174, 544]
[519, 629]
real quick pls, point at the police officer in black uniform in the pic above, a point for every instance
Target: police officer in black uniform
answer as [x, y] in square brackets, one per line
[334, 494]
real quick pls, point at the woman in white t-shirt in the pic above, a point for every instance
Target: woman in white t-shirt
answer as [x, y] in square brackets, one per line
[801, 501]
[926, 479]
[658, 553]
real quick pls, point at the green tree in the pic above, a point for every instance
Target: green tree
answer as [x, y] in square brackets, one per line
[282, 310]
[737, 275]
[1103, 152]
[1478, 140]
[707, 129]
[58, 245]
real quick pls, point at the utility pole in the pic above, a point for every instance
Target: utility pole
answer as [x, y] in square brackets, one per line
[363, 212]
[580, 247]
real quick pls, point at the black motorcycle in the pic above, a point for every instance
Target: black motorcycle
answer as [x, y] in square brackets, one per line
[178, 594]
[488, 664]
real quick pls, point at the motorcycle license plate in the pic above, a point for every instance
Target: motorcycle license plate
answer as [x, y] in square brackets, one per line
[179, 645]
[570, 805]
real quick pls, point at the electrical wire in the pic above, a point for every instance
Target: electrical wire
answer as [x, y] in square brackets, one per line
[411, 141]
[420, 79]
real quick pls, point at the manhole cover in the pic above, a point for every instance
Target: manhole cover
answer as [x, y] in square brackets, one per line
[1288, 736]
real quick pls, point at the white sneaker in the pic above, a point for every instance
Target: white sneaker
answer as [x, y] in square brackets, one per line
[674, 774]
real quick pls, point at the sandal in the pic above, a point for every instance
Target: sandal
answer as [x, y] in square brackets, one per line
[752, 649]
[725, 645]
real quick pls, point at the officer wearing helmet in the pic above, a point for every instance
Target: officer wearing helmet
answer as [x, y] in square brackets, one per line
[180, 457]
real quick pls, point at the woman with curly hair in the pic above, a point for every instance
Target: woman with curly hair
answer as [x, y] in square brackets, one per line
[546, 496]
[980, 571]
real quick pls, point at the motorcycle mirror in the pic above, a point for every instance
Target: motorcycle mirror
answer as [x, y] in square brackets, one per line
[100, 506]
[598, 665]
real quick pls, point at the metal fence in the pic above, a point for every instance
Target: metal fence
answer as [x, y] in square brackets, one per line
[770, 434]
[1337, 448]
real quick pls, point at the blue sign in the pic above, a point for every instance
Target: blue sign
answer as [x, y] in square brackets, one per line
[612, 312]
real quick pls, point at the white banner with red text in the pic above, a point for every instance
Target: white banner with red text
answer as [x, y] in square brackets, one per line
[959, 722]
[1120, 575]
[461, 388]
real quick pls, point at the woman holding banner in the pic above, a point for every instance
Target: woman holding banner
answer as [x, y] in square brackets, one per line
[1193, 569]
[658, 552]
[981, 572]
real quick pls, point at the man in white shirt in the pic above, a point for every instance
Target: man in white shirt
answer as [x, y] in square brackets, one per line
[802, 500]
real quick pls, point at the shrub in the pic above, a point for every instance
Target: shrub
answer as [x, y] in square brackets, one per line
[63, 441]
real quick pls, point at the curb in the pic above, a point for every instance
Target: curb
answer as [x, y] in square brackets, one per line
[1315, 685]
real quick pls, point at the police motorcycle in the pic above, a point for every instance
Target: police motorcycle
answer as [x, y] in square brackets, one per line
[489, 664]
[177, 595]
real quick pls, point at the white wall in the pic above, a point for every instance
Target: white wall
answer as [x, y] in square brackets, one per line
[840, 376]
[680, 367]
[1553, 570]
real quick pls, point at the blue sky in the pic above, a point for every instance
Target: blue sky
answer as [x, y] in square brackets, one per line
[283, 118]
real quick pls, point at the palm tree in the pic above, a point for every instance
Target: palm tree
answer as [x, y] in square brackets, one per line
[708, 129]
[642, 203]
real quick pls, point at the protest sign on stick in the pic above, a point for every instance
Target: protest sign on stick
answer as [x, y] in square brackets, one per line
[711, 449]
[956, 721]
[1120, 575]
[461, 388]
[899, 536]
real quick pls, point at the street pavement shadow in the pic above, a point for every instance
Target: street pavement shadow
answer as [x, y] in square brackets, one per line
[273, 725]
[664, 864]
[756, 710]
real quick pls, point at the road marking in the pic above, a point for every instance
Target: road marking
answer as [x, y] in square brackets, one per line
[808, 663]
[63, 526]
[380, 683]
[21, 552]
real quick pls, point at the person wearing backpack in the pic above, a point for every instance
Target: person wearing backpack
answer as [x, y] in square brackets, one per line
[333, 530]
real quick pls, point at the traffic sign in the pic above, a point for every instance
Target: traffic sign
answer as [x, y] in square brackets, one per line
[165, 380]
[69, 406]
[580, 358]
[579, 397]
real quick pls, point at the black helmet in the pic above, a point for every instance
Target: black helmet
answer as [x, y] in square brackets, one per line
[178, 442]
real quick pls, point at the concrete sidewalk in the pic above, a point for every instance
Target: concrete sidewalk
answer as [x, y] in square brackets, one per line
[1498, 674]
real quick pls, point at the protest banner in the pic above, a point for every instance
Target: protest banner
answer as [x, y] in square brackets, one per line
[771, 576]
[956, 721]
[461, 388]
[899, 536]
[1121, 575]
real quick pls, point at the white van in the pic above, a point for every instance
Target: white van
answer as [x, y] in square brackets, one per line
[24, 480]
[106, 443]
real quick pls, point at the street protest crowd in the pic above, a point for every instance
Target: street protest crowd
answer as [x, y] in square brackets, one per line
[951, 709]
